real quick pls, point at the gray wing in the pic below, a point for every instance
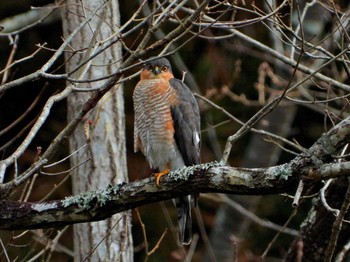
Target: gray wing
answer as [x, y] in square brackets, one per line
[186, 119]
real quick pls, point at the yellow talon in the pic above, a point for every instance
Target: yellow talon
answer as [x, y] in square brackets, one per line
[160, 174]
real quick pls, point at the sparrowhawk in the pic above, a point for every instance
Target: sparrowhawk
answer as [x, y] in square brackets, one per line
[167, 129]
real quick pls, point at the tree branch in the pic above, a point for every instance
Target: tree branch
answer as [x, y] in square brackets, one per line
[101, 204]
[95, 205]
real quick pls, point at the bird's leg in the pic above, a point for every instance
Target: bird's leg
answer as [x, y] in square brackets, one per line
[160, 174]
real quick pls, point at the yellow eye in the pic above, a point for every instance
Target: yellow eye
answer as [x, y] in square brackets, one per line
[165, 68]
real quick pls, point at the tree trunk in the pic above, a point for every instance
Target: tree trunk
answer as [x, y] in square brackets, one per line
[315, 232]
[106, 144]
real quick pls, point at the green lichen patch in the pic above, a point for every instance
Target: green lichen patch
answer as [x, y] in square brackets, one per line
[185, 173]
[282, 172]
[92, 198]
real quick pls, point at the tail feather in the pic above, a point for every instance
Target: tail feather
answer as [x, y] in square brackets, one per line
[183, 208]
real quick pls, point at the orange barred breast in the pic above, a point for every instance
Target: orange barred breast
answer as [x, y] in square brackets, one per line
[154, 127]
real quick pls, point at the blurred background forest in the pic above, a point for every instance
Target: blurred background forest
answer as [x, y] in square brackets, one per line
[230, 72]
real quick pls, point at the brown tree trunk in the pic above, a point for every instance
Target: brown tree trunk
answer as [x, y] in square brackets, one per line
[106, 145]
[315, 232]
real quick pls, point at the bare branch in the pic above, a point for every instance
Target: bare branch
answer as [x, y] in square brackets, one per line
[22, 22]
[210, 177]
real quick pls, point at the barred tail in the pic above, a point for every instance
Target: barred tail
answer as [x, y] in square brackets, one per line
[183, 208]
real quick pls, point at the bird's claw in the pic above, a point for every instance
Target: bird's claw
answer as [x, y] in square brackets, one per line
[160, 174]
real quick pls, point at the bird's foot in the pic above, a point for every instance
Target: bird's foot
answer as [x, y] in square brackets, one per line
[160, 174]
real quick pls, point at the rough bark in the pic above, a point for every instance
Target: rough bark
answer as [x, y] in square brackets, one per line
[101, 204]
[106, 144]
[314, 165]
[210, 177]
[316, 230]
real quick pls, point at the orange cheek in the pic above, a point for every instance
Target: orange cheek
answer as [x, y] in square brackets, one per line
[145, 74]
[167, 75]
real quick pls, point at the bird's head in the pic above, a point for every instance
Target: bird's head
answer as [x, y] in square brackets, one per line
[158, 68]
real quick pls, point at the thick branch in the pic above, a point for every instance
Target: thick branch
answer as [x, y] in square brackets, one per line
[98, 205]
[211, 177]
[101, 204]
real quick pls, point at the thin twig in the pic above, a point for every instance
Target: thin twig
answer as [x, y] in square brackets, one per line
[157, 245]
[9, 61]
[204, 235]
[103, 239]
[298, 193]
[258, 131]
[268, 248]
[54, 189]
[192, 248]
[254, 218]
[21, 117]
[144, 233]
[65, 171]
[65, 158]
[54, 242]
[324, 200]
[337, 225]
[5, 251]
[341, 255]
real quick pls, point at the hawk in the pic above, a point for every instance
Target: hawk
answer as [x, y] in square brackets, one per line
[167, 129]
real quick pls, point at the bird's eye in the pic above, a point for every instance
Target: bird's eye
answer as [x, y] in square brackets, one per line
[165, 68]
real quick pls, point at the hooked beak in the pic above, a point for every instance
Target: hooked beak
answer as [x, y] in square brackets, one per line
[156, 70]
